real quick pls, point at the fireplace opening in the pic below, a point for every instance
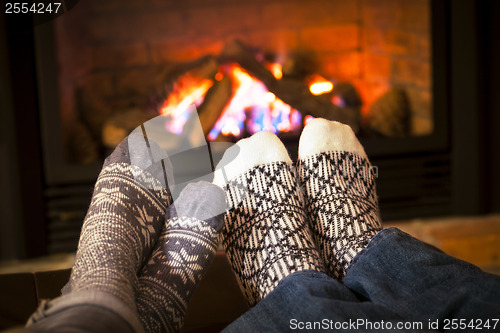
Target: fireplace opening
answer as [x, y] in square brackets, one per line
[115, 59]
[106, 68]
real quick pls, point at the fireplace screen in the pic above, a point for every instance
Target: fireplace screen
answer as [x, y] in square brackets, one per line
[247, 67]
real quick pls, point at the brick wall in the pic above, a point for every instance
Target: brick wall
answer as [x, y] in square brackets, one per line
[113, 53]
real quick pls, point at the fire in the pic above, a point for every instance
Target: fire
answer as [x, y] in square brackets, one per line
[276, 69]
[319, 85]
[253, 108]
[307, 119]
[187, 90]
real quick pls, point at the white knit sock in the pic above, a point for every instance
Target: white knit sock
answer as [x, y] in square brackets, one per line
[339, 187]
[265, 234]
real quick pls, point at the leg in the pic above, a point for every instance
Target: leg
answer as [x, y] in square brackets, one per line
[312, 301]
[340, 192]
[420, 282]
[265, 232]
[392, 269]
[186, 247]
[122, 225]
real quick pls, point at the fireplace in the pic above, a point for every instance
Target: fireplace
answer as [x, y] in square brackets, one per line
[114, 59]
[116, 63]
[113, 66]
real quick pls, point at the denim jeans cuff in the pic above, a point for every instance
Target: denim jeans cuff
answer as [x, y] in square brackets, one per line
[379, 237]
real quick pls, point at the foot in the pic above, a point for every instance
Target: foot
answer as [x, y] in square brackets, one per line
[186, 247]
[265, 233]
[339, 186]
[123, 221]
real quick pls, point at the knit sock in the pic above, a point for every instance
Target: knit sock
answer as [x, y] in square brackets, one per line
[339, 187]
[265, 232]
[185, 248]
[123, 221]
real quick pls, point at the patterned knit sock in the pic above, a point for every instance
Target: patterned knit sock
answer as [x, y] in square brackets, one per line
[123, 221]
[340, 192]
[186, 247]
[265, 232]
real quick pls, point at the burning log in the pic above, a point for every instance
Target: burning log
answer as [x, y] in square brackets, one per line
[390, 115]
[215, 100]
[293, 92]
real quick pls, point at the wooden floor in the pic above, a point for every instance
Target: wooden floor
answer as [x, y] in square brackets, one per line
[473, 239]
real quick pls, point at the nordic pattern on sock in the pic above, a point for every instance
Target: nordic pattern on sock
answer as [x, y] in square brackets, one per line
[342, 206]
[265, 234]
[167, 282]
[121, 227]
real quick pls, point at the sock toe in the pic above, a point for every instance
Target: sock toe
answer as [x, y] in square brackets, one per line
[249, 153]
[322, 135]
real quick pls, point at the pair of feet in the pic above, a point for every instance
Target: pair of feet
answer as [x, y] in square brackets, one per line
[283, 219]
[150, 254]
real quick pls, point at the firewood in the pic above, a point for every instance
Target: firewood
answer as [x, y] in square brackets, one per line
[118, 126]
[390, 114]
[84, 149]
[215, 100]
[291, 91]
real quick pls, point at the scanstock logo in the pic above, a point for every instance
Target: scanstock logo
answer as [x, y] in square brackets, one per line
[182, 158]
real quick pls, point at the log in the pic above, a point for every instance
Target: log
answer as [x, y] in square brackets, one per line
[390, 115]
[215, 100]
[291, 91]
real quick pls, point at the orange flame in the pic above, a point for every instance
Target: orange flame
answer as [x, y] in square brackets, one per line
[319, 85]
[254, 107]
[186, 91]
[276, 69]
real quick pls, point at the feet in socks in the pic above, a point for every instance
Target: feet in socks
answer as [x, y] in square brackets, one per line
[123, 221]
[339, 187]
[185, 248]
[265, 232]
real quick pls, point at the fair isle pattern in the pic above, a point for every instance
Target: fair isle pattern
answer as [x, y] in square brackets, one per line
[120, 229]
[265, 234]
[167, 282]
[342, 206]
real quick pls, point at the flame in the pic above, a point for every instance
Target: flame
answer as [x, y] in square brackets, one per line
[186, 91]
[319, 85]
[219, 76]
[276, 69]
[254, 108]
[307, 119]
[251, 109]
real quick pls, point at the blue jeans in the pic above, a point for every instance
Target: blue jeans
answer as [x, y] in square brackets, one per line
[397, 283]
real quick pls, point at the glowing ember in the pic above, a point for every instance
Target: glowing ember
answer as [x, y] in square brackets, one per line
[307, 119]
[254, 108]
[219, 76]
[276, 69]
[187, 90]
[319, 85]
